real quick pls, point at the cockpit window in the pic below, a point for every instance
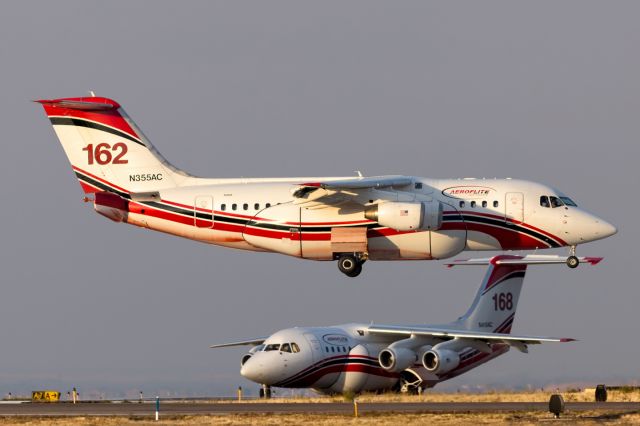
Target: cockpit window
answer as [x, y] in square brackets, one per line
[544, 201]
[568, 201]
[285, 348]
[272, 347]
[556, 202]
[295, 348]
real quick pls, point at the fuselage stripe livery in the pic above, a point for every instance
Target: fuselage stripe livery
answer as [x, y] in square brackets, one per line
[249, 224]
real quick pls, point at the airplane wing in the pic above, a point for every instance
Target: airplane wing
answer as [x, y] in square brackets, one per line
[334, 190]
[445, 333]
[253, 342]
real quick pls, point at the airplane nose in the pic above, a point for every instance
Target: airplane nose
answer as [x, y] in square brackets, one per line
[252, 370]
[604, 229]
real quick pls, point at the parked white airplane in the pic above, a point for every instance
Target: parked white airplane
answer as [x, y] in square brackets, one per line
[374, 357]
[351, 219]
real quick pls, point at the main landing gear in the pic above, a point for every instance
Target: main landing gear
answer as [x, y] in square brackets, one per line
[350, 264]
[572, 260]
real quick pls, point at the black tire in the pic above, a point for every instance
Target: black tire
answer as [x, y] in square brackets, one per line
[572, 262]
[355, 272]
[347, 263]
[261, 393]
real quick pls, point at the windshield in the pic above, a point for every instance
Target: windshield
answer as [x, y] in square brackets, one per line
[272, 347]
[568, 201]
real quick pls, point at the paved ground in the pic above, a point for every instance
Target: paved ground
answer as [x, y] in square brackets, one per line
[201, 408]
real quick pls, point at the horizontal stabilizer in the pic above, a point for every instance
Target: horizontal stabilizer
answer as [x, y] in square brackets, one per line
[82, 104]
[533, 259]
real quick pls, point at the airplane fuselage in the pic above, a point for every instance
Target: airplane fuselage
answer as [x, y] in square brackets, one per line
[263, 215]
[342, 359]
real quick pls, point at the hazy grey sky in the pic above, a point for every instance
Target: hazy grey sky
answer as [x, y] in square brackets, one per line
[541, 90]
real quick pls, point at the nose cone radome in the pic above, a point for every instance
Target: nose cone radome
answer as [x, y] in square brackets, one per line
[603, 229]
[251, 370]
[258, 369]
[592, 228]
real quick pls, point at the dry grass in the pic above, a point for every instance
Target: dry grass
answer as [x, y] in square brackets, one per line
[333, 420]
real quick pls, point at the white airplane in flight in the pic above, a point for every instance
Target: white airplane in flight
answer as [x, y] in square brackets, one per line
[374, 357]
[349, 219]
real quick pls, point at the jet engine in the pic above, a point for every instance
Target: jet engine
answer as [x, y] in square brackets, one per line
[440, 361]
[397, 359]
[409, 216]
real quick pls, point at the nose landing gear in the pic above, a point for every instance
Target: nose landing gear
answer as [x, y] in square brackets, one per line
[350, 264]
[572, 260]
[265, 392]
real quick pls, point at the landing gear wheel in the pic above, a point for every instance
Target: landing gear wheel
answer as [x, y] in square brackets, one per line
[265, 392]
[349, 265]
[356, 271]
[572, 262]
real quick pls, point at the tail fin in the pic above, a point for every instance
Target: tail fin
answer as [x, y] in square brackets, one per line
[106, 149]
[494, 306]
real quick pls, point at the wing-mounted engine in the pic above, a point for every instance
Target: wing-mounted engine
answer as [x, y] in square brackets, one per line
[445, 356]
[440, 361]
[403, 354]
[397, 359]
[407, 216]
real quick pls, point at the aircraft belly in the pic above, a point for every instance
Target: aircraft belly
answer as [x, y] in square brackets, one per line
[481, 241]
[445, 244]
[425, 245]
[413, 245]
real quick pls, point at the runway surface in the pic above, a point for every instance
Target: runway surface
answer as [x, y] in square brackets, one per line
[201, 408]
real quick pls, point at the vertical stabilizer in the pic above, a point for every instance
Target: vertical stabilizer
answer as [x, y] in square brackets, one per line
[106, 149]
[494, 306]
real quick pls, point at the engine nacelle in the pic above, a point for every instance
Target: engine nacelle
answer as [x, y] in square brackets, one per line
[396, 360]
[409, 216]
[440, 361]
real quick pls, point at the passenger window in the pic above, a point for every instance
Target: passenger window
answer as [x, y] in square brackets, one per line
[495, 204]
[223, 207]
[418, 185]
[555, 202]
[245, 206]
[544, 201]
[234, 206]
[461, 204]
[256, 206]
[267, 205]
[285, 348]
[333, 349]
[484, 204]
[473, 204]
[295, 348]
[272, 347]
